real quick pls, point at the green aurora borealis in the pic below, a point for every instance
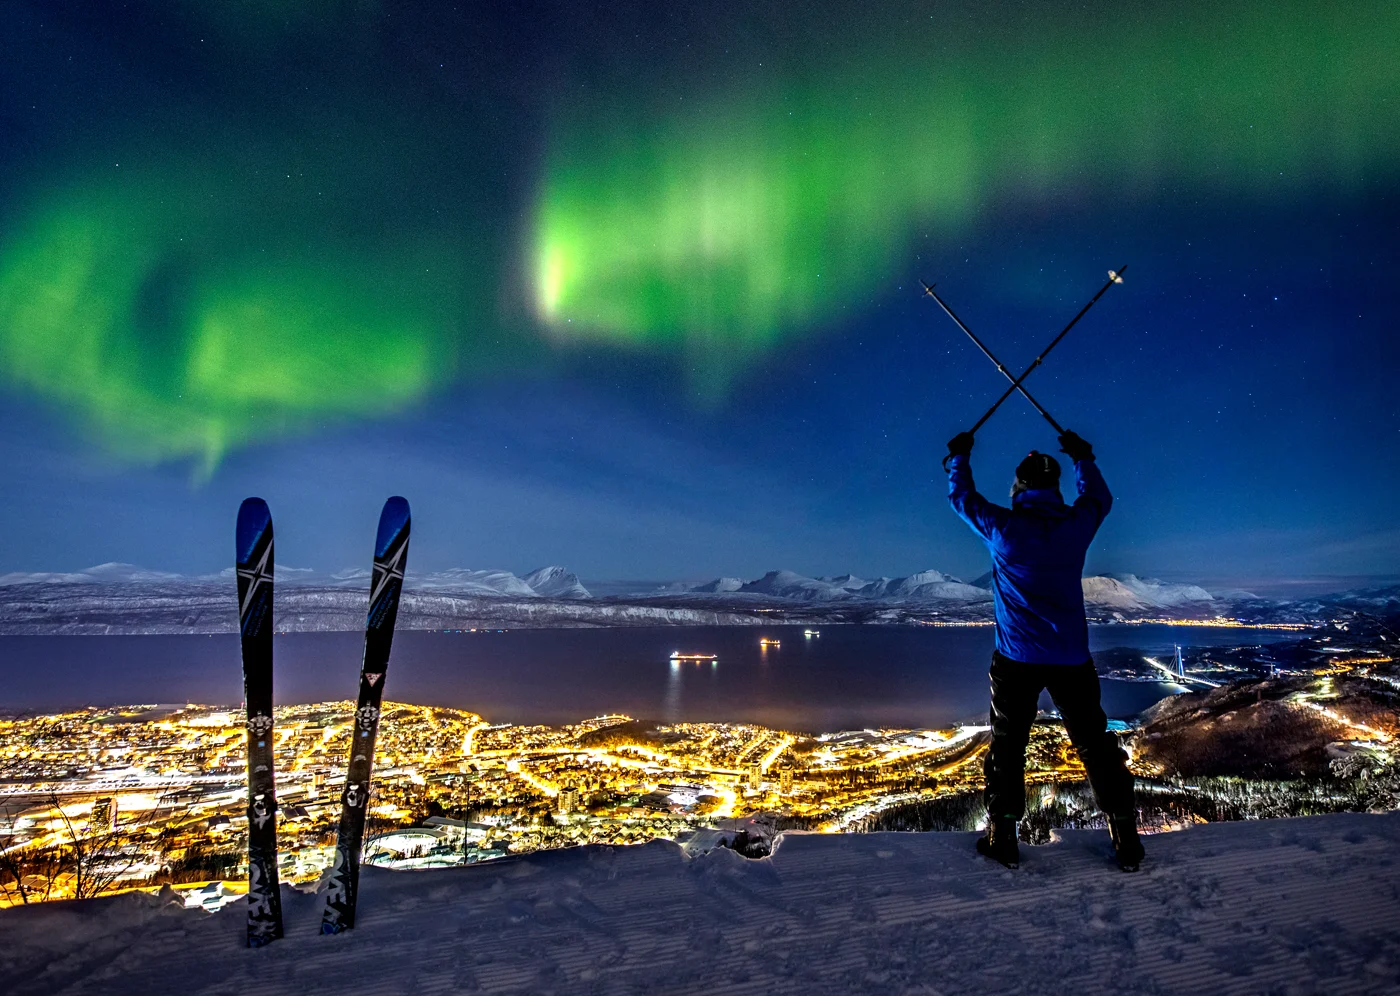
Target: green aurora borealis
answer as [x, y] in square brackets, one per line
[243, 279]
[724, 228]
[129, 304]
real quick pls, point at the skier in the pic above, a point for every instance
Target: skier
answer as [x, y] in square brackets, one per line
[1037, 547]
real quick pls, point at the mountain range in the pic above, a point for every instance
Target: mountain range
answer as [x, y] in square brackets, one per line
[1118, 592]
[548, 582]
[121, 598]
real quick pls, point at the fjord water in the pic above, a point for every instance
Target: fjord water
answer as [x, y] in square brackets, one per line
[848, 677]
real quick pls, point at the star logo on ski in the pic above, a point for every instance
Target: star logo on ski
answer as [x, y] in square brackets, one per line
[255, 576]
[391, 569]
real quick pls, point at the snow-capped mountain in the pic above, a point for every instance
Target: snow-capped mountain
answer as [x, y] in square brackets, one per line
[1378, 601]
[1129, 593]
[1124, 593]
[555, 582]
[102, 572]
[787, 584]
[475, 582]
[719, 585]
[924, 586]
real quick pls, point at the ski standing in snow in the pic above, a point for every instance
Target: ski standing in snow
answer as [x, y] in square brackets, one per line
[390, 558]
[254, 570]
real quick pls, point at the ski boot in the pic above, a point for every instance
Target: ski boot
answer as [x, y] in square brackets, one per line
[1127, 846]
[999, 842]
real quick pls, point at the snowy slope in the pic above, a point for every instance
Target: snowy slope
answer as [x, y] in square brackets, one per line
[1280, 906]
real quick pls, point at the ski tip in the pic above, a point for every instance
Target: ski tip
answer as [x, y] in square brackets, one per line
[254, 519]
[392, 521]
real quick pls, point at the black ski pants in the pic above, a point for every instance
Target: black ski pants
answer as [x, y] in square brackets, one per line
[1016, 689]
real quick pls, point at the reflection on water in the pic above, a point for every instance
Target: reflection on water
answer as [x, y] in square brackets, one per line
[671, 711]
[704, 670]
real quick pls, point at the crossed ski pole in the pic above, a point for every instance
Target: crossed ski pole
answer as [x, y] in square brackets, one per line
[1114, 277]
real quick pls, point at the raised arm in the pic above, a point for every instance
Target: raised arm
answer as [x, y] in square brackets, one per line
[986, 519]
[1093, 492]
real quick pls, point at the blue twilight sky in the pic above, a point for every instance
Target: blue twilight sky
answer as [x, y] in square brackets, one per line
[1239, 388]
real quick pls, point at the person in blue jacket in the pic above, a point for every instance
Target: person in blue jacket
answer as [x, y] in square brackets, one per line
[1037, 547]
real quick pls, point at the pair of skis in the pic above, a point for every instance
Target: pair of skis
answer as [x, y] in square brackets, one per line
[254, 570]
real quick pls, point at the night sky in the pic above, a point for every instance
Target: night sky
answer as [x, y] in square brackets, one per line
[634, 288]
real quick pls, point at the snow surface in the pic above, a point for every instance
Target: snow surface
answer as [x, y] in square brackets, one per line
[1282, 906]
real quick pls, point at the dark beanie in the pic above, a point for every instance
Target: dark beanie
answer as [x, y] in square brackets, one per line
[1039, 470]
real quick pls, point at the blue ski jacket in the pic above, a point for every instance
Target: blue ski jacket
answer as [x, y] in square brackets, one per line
[1037, 547]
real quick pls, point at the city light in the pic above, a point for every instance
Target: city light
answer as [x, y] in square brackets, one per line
[449, 787]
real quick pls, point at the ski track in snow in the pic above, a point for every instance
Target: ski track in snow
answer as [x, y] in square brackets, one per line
[1294, 906]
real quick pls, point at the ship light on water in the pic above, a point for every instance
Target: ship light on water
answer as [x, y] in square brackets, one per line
[766, 642]
[809, 633]
[676, 655]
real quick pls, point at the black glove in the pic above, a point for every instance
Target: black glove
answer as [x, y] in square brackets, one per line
[1072, 446]
[960, 445]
